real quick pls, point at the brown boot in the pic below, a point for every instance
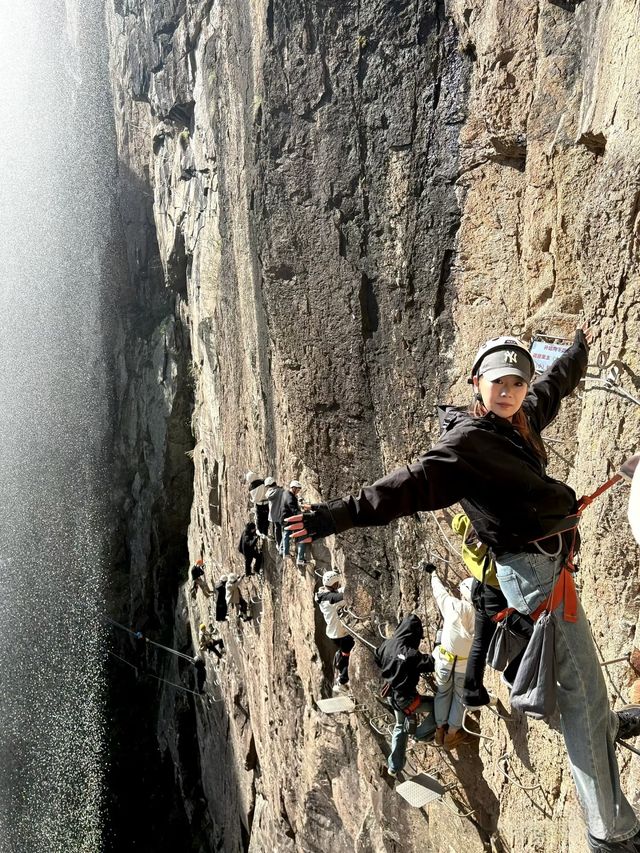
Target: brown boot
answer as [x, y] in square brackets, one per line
[439, 738]
[454, 739]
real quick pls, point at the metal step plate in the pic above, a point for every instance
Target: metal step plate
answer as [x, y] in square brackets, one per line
[421, 790]
[336, 705]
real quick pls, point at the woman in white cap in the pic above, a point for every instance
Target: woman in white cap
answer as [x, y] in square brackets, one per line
[330, 597]
[492, 460]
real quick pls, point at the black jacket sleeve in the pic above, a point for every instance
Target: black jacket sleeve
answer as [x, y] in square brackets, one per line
[436, 481]
[547, 392]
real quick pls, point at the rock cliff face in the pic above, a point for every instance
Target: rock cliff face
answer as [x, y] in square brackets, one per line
[327, 207]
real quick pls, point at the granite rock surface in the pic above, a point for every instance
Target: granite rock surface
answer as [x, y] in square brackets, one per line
[327, 208]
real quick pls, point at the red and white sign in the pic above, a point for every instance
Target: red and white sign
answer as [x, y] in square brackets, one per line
[544, 353]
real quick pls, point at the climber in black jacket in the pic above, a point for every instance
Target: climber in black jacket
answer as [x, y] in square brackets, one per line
[402, 664]
[491, 459]
[249, 547]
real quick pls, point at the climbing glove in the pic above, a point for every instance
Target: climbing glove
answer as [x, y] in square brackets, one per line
[315, 523]
[427, 567]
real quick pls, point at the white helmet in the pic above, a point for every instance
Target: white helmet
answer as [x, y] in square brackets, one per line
[465, 589]
[329, 578]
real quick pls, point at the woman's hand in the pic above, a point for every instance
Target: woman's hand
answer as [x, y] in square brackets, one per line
[588, 332]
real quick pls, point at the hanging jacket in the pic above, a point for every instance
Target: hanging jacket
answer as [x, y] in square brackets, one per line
[486, 465]
[459, 620]
[401, 662]
[477, 557]
[275, 496]
[330, 601]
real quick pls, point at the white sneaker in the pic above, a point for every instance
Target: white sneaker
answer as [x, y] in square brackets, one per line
[341, 688]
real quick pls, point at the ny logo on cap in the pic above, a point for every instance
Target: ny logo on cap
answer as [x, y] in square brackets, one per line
[510, 357]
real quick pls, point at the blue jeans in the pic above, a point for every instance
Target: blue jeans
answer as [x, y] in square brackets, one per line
[286, 545]
[448, 705]
[399, 738]
[588, 725]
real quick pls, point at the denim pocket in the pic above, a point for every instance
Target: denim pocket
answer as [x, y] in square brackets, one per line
[511, 589]
[526, 579]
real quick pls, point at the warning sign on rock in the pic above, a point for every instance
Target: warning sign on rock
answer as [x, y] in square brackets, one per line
[545, 350]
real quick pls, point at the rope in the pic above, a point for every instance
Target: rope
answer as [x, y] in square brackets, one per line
[139, 635]
[355, 633]
[172, 651]
[444, 536]
[179, 686]
[128, 663]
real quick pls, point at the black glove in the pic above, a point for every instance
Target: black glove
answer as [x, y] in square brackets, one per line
[317, 522]
[427, 567]
[580, 339]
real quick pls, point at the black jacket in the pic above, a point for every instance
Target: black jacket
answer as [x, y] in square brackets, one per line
[290, 504]
[401, 662]
[248, 544]
[486, 465]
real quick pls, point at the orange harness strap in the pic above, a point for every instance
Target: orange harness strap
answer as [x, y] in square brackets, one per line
[411, 707]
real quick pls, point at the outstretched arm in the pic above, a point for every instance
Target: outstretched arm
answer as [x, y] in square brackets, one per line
[437, 480]
[547, 392]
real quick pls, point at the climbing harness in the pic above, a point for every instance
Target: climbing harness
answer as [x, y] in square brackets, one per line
[564, 589]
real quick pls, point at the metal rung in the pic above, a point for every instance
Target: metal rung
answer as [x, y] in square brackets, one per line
[421, 790]
[336, 705]
[380, 725]
[505, 759]
[470, 731]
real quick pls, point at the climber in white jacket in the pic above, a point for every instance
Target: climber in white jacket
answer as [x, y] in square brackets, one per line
[451, 659]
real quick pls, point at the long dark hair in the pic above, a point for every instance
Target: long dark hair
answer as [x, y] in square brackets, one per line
[520, 422]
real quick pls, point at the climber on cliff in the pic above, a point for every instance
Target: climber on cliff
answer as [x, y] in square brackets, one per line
[450, 658]
[198, 580]
[221, 599]
[258, 497]
[208, 643]
[291, 506]
[491, 458]
[488, 601]
[249, 547]
[330, 597]
[235, 600]
[402, 664]
[275, 497]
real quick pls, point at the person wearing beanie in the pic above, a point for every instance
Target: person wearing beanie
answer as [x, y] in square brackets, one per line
[330, 597]
[450, 658]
